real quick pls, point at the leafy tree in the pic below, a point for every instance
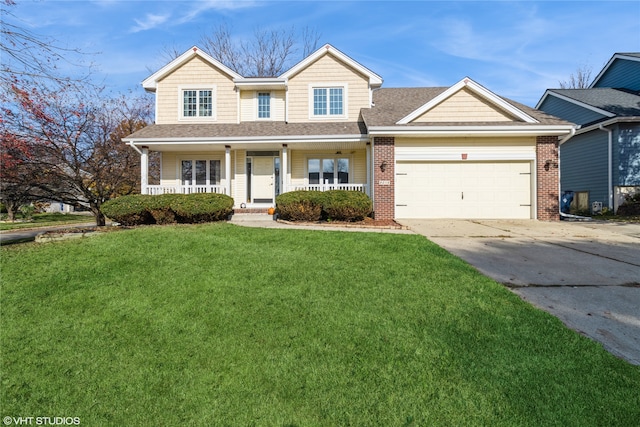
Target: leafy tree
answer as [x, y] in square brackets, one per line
[16, 187]
[73, 131]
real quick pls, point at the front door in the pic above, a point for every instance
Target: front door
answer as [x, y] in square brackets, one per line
[262, 178]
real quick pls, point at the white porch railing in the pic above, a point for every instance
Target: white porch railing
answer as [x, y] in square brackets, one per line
[326, 187]
[156, 190]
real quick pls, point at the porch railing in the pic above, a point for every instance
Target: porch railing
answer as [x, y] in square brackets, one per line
[156, 190]
[326, 187]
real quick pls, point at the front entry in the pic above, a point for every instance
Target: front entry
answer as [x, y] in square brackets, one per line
[262, 180]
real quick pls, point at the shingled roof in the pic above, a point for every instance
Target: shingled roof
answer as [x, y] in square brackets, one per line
[391, 105]
[272, 130]
[622, 103]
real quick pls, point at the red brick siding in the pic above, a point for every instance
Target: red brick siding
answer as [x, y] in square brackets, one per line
[384, 195]
[548, 178]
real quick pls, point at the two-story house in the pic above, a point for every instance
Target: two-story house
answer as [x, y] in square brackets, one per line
[326, 123]
[601, 163]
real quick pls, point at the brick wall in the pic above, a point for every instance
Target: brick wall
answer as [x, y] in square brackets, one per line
[548, 178]
[384, 182]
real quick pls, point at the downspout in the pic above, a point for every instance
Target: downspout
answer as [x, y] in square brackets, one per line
[609, 165]
[563, 215]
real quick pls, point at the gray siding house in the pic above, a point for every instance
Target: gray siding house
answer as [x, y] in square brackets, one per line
[601, 163]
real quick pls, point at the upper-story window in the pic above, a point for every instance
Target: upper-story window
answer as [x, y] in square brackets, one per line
[264, 105]
[328, 101]
[197, 103]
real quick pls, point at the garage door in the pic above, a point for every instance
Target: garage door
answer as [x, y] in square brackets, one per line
[463, 190]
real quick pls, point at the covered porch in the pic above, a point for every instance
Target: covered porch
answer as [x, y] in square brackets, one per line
[255, 174]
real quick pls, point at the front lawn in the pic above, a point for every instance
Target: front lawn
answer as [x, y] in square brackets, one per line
[222, 325]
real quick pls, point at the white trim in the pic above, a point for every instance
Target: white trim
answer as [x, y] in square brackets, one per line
[477, 156]
[419, 131]
[197, 87]
[611, 61]
[550, 92]
[252, 139]
[150, 84]
[478, 90]
[374, 79]
[257, 106]
[328, 86]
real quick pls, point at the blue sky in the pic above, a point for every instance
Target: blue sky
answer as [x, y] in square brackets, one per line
[516, 49]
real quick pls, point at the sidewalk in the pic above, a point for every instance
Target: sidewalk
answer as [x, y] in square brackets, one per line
[29, 234]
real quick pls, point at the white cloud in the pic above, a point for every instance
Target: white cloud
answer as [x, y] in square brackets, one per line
[150, 21]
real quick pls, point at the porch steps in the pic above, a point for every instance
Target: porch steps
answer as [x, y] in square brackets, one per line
[251, 214]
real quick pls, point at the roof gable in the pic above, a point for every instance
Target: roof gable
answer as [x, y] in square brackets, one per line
[467, 97]
[151, 82]
[374, 79]
[622, 71]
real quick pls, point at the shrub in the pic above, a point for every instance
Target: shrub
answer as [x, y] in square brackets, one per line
[203, 207]
[344, 205]
[159, 207]
[168, 208]
[631, 205]
[300, 205]
[340, 205]
[128, 210]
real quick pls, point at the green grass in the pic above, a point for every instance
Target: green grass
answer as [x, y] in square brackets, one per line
[46, 220]
[223, 325]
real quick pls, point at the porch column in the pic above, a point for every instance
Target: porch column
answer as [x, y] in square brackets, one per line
[227, 169]
[144, 170]
[283, 168]
[368, 160]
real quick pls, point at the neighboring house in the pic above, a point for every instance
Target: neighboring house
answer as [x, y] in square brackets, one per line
[601, 163]
[448, 152]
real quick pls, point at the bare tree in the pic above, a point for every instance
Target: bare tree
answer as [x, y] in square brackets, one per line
[29, 55]
[267, 54]
[581, 79]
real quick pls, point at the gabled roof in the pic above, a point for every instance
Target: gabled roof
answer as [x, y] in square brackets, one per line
[631, 56]
[606, 101]
[478, 90]
[374, 79]
[151, 82]
[392, 105]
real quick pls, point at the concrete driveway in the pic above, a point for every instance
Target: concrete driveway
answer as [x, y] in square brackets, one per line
[585, 273]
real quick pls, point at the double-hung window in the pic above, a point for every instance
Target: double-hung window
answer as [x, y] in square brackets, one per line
[264, 105]
[197, 103]
[200, 172]
[328, 170]
[328, 102]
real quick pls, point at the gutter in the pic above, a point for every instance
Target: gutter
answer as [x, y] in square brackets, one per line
[132, 145]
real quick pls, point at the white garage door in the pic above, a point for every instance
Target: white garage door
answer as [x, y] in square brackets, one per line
[463, 190]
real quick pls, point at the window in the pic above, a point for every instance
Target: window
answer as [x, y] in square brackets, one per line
[264, 105]
[197, 103]
[328, 171]
[200, 172]
[328, 101]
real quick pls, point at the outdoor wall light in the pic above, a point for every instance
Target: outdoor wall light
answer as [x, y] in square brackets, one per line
[383, 166]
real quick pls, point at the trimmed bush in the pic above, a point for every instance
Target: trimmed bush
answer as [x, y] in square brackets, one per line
[300, 206]
[341, 205]
[128, 210]
[203, 207]
[338, 205]
[141, 209]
